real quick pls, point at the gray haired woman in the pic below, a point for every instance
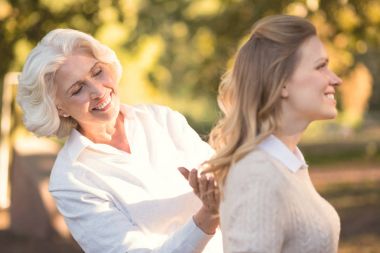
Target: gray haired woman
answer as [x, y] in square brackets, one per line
[115, 180]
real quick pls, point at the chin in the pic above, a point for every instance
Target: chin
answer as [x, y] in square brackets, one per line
[325, 115]
[330, 115]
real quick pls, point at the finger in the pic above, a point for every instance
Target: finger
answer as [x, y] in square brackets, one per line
[211, 191]
[216, 202]
[217, 194]
[212, 197]
[193, 181]
[203, 185]
[217, 197]
[185, 172]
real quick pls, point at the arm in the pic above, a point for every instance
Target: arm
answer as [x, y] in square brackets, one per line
[196, 152]
[99, 226]
[185, 138]
[104, 218]
[207, 218]
[252, 213]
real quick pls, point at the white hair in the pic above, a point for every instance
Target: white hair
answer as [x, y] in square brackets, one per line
[37, 91]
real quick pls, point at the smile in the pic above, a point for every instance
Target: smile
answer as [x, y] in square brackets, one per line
[330, 96]
[103, 104]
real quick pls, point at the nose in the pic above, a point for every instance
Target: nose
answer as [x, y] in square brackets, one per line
[334, 79]
[96, 89]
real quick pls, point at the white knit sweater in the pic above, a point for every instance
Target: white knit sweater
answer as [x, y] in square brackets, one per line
[267, 208]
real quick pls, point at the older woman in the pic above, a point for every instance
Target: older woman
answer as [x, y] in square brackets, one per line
[280, 83]
[115, 180]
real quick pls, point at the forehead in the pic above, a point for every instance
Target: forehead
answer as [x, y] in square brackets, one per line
[312, 50]
[74, 68]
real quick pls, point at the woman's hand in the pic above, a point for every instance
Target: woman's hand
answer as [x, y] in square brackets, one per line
[204, 186]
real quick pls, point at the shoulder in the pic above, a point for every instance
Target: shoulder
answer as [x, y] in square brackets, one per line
[256, 163]
[67, 173]
[256, 168]
[162, 115]
[152, 109]
[60, 173]
[72, 179]
[253, 185]
[159, 112]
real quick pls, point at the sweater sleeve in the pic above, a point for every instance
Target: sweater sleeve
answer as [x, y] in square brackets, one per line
[252, 213]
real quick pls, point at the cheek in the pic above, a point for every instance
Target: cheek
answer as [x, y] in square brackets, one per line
[303, 95]
[110, 79]
[76, 103]
[310, 84]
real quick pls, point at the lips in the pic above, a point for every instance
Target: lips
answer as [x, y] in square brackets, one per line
[103, 103]
[330, 94]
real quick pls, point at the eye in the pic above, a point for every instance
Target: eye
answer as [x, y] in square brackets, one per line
[321, 66]
[77, 90]
[98, 71]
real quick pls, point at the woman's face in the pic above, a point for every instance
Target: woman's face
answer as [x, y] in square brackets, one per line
[310, 92]
[86, 90]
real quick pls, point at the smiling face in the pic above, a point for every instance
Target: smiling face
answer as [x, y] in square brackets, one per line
[87, 91]
[310, 93]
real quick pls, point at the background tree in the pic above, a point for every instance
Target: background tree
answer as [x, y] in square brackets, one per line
[174, 52]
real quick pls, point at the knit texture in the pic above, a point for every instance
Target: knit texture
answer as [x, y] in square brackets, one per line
[267, 208]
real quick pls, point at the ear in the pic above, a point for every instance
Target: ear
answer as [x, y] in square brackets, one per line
[284, 91]
[61, 112]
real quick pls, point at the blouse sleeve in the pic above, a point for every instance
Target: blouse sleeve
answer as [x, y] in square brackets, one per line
[186, 139]
[252, 214]
[100, 227]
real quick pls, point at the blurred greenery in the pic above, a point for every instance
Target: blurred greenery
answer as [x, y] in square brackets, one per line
[358, 207]
[174, 51]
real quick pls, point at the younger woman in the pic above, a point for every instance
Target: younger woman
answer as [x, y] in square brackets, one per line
[279, 84]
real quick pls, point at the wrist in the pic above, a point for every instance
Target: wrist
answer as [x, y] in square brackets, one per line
[206, 220]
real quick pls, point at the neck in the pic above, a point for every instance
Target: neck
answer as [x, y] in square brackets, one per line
[111, 133]
[290, 130]
[291, 141]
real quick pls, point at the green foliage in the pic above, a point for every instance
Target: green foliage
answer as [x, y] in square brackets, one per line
[174, 51]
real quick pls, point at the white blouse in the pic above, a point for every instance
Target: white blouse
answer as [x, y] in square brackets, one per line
[113, 201]
[294, 161]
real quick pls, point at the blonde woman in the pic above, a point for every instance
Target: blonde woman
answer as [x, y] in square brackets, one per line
[280, 83]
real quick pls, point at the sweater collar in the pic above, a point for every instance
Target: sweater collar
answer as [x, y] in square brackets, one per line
[277, 149]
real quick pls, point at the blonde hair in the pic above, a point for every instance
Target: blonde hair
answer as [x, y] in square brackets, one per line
[249, 94]
[36, 89]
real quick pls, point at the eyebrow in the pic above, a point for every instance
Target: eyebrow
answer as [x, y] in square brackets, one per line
[322, 59]
[80, 81]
